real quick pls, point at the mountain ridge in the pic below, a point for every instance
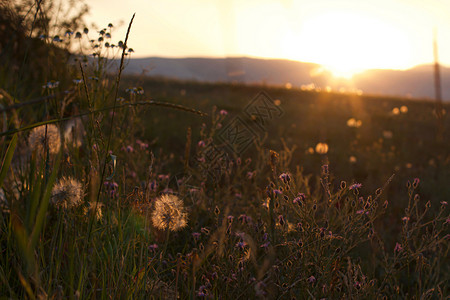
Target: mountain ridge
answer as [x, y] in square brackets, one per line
[416, 82]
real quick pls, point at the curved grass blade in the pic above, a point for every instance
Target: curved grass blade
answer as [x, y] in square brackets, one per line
[8, 158]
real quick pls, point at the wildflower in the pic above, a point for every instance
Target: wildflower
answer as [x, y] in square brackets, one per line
[297, 200]
[250, 175]
[202, 291]
[153, 247]
[311, 279]
[142, 144]
[46, 135]
[52, 84]
[196, 235]
[169, 213]
[352, 159]
[395, 111]
[230, 219]
[129, 149]
[244, 219]
[67, 193]
[355, 186]
[265, 245]
[281, 220]
[111, 188]
[398, 247]
[201, 144]
[404, 109]
[285, 177]
[322, 148]
[241, 244]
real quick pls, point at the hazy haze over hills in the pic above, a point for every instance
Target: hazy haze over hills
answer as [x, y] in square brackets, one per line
[416, 82]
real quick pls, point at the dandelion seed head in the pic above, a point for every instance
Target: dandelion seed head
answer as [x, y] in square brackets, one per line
[67, 193]
[169, 213]
[41, 137]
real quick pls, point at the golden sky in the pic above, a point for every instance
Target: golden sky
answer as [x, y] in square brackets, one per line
[345, 36]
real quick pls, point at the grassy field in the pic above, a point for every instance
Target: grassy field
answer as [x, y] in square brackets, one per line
[134, 187]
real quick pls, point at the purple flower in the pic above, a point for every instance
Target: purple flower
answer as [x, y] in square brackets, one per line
[241, 245]
[223, 112]
[196, 235]
[398, 247]
[355, 186]
[297, 200]
[201, 144]
[129, 149]
[265, 245]
[311, 279]
[285, 177]
[281, 220]
[111, 187]
[153, 247]
[142, 144]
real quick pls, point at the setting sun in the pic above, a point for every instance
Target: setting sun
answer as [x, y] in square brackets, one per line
[346, 43]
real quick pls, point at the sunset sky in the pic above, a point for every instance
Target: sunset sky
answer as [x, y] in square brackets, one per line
[345, 36]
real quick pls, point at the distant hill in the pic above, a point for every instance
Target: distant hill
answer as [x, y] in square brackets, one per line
[416, 82]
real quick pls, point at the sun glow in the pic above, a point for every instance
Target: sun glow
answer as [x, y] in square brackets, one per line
[347, 43]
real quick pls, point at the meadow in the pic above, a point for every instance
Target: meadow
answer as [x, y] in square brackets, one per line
[136, 187]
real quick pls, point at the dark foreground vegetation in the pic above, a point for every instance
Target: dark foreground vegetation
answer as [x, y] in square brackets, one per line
[139, 187]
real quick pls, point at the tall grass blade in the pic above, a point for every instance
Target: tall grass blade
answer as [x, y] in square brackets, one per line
[40, 218]
[8, 158]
